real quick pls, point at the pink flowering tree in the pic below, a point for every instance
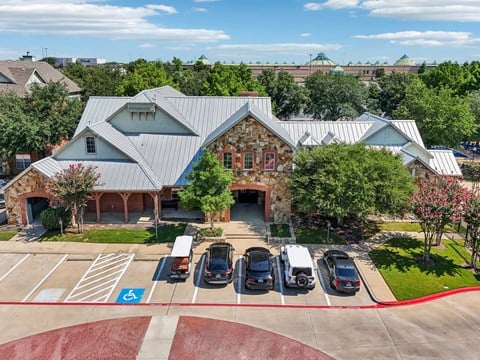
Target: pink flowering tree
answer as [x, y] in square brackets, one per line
[73, 187]
[472, 218]
[439, 200]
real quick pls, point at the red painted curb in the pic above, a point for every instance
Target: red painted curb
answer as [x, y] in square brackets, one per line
[378, 305]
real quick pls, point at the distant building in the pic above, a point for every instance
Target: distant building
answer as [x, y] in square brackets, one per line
[62, 62]
[364, 71]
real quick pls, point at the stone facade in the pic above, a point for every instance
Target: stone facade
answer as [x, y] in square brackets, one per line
[31, 184]
[418, 170]
[251, 136]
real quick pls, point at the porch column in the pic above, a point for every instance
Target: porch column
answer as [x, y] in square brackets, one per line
[97, 206]
[156, 196]
[125, 197]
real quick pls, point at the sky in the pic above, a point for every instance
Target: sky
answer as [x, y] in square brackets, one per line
[290, 31]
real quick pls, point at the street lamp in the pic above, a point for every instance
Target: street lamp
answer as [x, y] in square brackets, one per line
[60, 222]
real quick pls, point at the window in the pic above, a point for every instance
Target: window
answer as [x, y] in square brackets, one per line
[227, 160]
[248, 161]
[22, 161]
[269, 161]
[90, 145]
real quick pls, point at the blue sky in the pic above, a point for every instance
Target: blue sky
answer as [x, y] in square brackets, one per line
[242, 30]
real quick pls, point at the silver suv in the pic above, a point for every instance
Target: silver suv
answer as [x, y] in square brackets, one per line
[298, 266]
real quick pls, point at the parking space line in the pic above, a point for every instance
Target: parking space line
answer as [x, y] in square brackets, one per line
[45, 278]
[164, 260]
[14, 267]
[320, 278]
[91, 288]
[83, 278]
[120, 276]
[199, 279]
[107, 271]
[280, 280]
[239, 279]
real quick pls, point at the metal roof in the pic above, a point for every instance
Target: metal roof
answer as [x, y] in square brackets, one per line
[444, 163]
[98, 109]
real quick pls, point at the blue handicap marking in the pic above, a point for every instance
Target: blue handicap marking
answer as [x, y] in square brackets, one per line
[130, 295]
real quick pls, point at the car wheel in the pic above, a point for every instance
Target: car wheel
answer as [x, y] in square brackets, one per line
[301, 280]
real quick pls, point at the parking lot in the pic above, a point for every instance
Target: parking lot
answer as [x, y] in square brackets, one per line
[130, 278]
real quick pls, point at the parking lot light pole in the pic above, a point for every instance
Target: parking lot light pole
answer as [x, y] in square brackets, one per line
[156, 223]
[60, 222]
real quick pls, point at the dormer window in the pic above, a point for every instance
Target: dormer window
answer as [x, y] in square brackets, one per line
[90, 145]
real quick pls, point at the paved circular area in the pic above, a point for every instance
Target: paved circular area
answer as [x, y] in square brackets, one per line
[118, 339]
[202, 338]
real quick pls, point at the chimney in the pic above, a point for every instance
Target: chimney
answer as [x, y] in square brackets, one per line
[249, 93]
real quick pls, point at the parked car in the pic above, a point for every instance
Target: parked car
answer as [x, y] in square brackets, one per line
[259, 273]
[2, 201]
[219, 264]
[343, 275]
[2, 183]
[298, 266]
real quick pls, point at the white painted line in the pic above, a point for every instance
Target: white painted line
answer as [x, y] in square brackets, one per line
[120, 276]
[160, 270]
[280, 280]
[14, 267]
[199, 279]
[239, 279]
[320, 278]
[103, 290]
[45, 278]
[112, 262]
[83, 277]
[94, 287]
[109, 270]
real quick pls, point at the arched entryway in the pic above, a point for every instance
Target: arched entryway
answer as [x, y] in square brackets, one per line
[32, 204]
[252, 202]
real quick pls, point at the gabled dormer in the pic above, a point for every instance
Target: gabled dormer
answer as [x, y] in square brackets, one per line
[150, 114]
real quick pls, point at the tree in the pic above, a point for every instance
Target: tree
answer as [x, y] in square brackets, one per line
[438, 200]
[73, 187]
[288, 98]
[392, 90]
[341, 180]
[335, 96]
[449, 75]
[208, 187]
[443, 118]
[145, 75]
[472, 218]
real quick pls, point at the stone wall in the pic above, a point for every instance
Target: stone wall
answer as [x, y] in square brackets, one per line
[250, 136]
[31, 184]
[418, 170]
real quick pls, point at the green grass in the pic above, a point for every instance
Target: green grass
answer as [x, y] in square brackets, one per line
[307, 235]
[7, 234]
[405, 226]
[280, 230]
[397, 261]
[119, 236]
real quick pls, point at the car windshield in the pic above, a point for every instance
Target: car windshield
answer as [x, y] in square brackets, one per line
[347, 272]
[217, 265]
[260, 263]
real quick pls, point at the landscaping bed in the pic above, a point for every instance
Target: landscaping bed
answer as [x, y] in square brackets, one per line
[6, 235]
[398, 262]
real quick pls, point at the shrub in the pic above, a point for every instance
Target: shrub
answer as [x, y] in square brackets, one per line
[209, 232]
[50, 217]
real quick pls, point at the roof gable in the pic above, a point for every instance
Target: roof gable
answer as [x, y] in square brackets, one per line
[249, 109]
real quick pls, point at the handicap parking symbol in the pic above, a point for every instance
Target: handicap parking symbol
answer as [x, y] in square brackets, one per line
[130, 295]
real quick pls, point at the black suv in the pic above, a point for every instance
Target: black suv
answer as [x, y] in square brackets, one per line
[219, 265]
[342, 272]
[259, 272]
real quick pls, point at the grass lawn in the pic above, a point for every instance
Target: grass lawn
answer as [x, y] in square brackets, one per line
[280, 230]
[7, 234]
[405, 226]
[119, 236]
[307, 235]
[397, 262]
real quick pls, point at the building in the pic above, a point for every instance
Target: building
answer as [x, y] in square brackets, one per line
[19, 76]
[144, 146]
[364, 71]
[62, 62]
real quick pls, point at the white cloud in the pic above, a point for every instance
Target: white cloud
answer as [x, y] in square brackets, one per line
[331, 4]
[305, 34]
[147, 45]
[91, 18]
[164, 8]
[426, 38]
[197, 9]
[420, 10]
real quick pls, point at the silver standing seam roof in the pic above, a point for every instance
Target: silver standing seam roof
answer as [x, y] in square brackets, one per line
[159, 159]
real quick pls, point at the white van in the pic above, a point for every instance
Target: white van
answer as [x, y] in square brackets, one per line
[298, 266]
[182, 255]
